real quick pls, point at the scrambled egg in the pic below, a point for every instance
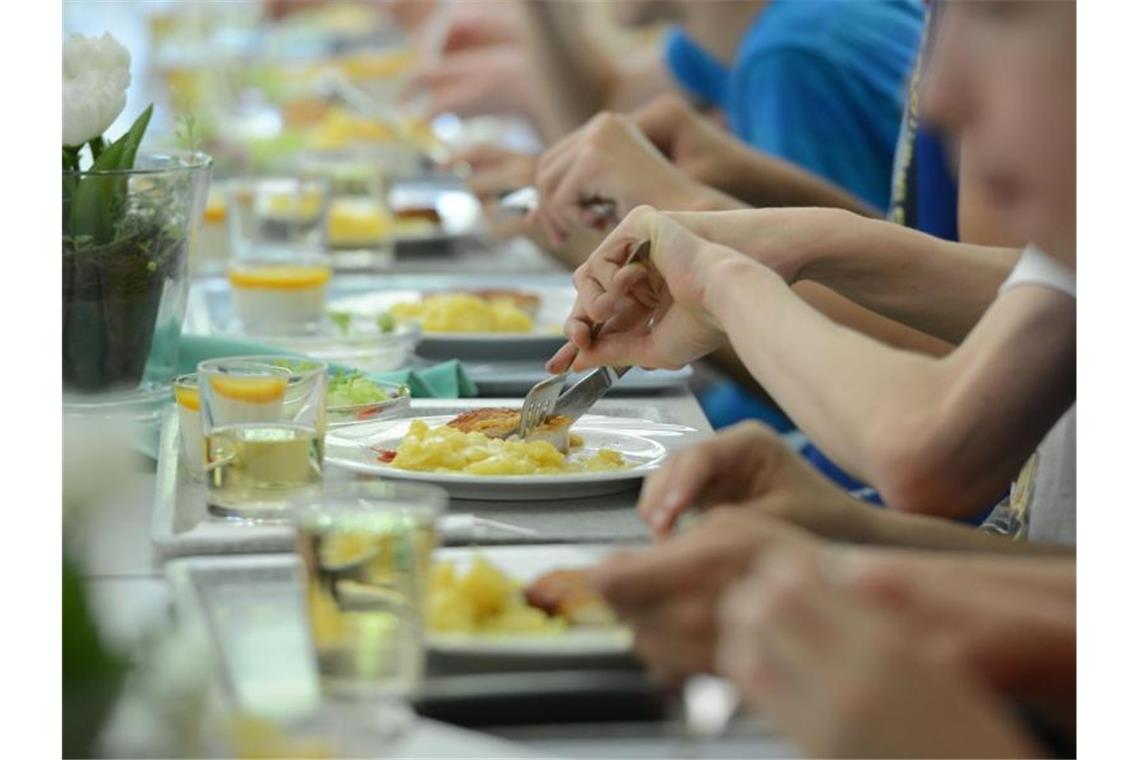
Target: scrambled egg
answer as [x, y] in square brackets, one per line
[445, 449]
[484, 600]
[462, 312]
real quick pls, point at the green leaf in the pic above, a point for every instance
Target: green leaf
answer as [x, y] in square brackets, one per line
[341, 319]
[98, 201]
[97, 146]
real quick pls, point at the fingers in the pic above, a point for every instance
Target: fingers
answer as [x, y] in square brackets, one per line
[639, 580]
[492, 181]
[562, 359]
[549, 180]
[668, 492]
[723, 467]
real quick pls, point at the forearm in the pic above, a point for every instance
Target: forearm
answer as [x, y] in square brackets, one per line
[761, 180]
[906, 531]
[796, 354]
[942, 436]
[861, 319]
[937, 287]
[574, 75]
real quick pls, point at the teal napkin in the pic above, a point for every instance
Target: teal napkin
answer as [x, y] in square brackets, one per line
[444, 380]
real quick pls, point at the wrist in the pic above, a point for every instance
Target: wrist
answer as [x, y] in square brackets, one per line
[733, 278]
[822, 255]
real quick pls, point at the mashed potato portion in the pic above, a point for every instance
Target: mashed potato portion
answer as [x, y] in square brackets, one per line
[445, 449]
[462, 312]
[484, 600]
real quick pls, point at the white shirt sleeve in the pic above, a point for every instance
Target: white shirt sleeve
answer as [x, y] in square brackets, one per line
[1036, 268]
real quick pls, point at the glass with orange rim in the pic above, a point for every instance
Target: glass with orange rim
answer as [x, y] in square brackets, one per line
[280, 270]
[263, 418]
[191, 441]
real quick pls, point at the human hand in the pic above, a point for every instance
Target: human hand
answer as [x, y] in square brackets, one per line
[846, 677]
[652, 313]
[1017, 637]
[748, 467]
[695, 144]
[669, 594]
[495, 170]
[470, 25]
[474, 82]
[607, 160]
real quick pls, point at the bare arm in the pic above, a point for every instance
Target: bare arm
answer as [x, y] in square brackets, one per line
[941, 436]
[935, 286]
[711, 155]
[578, 78]
[913, 531]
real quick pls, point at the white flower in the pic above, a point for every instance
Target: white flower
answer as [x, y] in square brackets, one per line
[96, 73]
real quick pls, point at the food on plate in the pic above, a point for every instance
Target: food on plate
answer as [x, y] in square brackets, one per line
[448, 449]
[352, 397]
[487, 600]
[567, 594]
[503, 423]
[427, 214]
[353, 388]
[345, 321]
[357, 222]
[527, 302]
[464, 312]
[271, 296]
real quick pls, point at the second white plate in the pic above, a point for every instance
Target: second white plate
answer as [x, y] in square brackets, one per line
[643, 443]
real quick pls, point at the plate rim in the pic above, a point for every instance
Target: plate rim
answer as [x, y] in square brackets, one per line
[466, 479]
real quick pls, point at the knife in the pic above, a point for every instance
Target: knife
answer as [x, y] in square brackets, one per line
[578, 399]
[525, 200]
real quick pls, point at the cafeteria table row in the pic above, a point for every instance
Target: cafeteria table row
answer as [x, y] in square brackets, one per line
[503, 708]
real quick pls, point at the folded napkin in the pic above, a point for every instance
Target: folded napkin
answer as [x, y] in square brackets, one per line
[444, 380]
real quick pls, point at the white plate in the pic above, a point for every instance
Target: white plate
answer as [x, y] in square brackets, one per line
[541, 343]
[525, 563]
[643, 443]
[252, 607]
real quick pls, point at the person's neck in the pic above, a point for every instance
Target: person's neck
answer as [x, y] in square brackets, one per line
[719, 26]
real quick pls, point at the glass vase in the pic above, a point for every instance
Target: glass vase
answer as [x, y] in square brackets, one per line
[126, 238]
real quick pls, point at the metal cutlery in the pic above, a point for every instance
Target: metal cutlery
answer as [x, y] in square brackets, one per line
[543, 399]
[525, 200]
[539, 403]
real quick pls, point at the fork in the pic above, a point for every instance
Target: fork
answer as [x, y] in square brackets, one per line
[539, 403]
[542, 398]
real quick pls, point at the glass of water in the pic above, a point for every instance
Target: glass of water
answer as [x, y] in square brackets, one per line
[366, 551]
[277, 217]
[263, 418]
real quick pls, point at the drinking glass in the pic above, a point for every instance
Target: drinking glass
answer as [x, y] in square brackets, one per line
[280, 271]
[366, 551]
[264, 422]
[358, 216]
[277, 217]
[191, 441]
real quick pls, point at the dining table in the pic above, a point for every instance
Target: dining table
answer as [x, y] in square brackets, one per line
[606, 709]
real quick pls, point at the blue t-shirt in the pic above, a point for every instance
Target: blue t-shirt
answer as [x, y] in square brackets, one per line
[820, 84]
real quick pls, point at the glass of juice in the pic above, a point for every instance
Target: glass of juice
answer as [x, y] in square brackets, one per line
[192, 443]
[366, 551]
[263, 418]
